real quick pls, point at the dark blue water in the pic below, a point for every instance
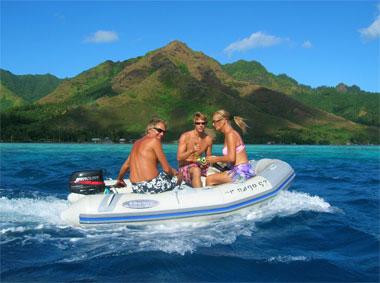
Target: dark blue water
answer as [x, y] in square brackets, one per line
[325, 228]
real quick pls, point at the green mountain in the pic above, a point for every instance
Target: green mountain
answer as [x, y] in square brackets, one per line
[256, 73]
[357, 106]
[28, 88]
[351, 103]
[8, 99]
[117, 99]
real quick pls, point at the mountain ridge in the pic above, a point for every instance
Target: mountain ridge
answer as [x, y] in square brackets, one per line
[118, 99]
[30, 88]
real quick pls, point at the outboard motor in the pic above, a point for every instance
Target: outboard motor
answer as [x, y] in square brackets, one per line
[87, 182]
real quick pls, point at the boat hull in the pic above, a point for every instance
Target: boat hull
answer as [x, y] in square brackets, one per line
[183, 202]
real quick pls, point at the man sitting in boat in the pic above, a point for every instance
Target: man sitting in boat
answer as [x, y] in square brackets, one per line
[191, 146]
[233, 151]
[143, 162]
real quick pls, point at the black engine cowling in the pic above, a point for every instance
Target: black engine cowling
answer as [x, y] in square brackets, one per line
[87, 182]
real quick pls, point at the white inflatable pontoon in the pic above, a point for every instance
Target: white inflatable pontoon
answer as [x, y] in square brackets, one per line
[181, 204]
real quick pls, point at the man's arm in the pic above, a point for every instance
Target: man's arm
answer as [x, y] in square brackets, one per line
[209, 146]
[123, 171]
[157, 148]
[183, 153]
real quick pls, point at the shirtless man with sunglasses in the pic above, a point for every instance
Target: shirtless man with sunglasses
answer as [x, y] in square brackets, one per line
[191, 146]
[143, 162]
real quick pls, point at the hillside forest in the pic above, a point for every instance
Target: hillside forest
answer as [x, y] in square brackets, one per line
[116, 100]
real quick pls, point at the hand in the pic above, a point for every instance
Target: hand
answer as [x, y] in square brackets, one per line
[196, 147]
[211, 159]
[120, 183]
[175, 172]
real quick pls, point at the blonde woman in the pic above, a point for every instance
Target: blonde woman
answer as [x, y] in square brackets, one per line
[233, 151]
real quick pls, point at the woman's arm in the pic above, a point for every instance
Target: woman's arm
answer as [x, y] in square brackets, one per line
[231, 146]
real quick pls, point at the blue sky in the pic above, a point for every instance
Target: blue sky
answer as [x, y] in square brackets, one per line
[315, 42]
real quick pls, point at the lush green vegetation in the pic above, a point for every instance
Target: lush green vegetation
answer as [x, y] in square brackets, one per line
[117, 100]
[256, 73]
[79, 124]
[8, 99]
[361, 108]
[30, 88]
[349, 102]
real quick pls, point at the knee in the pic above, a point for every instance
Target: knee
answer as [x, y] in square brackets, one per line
[209, 181]
[195, 172]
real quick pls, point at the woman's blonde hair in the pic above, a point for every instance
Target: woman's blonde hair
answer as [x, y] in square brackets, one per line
[153, 123]
[238, 120]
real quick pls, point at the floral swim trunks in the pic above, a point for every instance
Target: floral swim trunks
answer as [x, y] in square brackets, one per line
[185, 172]
[159, 184]
[241, 172]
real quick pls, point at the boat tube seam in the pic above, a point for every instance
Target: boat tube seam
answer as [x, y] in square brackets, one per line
[186, 209]
[156, 217]
[179, 210]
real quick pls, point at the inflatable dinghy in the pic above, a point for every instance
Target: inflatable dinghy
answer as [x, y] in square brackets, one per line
[91, 206]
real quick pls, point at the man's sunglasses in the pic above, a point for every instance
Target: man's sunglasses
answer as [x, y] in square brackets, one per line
[200, 123]
[160, 130]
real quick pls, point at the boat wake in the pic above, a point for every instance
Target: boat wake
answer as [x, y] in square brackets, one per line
[288, 203]
[22, 218]
[40, 210]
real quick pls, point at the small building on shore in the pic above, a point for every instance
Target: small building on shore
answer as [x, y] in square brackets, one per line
[107, 140]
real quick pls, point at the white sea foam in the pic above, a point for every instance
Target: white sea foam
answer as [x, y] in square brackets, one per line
[12, 229]
[287, 258]
[288, 203]
[39, 210]
[173, 237]
[187, 237]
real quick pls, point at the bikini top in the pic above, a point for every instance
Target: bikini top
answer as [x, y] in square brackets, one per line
[238, 148]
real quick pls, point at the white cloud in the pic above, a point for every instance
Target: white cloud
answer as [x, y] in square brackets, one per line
[59, 16]
[307, 44]
[373, 31]
[102, 36]
[257, 39]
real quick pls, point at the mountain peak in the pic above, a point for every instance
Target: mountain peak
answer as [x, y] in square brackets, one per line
[176, 44]
[341, 87]
[174, 48]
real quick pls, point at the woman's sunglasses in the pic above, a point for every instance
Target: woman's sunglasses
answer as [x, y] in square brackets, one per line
[200, 123]
[216, 121]
[160, 130]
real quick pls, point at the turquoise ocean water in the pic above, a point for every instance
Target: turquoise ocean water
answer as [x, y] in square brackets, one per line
[324, 229]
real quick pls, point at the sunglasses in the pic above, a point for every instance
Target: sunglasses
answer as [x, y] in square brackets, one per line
[216, 121]
[200, 123]
[160, 130]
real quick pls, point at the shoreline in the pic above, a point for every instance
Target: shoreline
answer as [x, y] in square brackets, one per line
[168, 143]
